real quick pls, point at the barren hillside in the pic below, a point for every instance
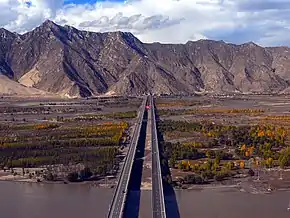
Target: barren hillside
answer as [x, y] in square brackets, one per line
[73, 63]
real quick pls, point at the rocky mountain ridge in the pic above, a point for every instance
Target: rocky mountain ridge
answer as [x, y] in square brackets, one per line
[68, 62]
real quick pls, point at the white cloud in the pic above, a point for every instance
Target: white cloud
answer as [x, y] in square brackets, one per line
[263, 21]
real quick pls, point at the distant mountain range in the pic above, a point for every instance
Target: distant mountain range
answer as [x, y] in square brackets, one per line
[64, 61]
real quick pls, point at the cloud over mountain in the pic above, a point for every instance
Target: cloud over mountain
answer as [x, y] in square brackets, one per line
[265, 22]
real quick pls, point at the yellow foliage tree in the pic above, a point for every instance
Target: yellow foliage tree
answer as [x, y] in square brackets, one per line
[242, 164]
[269, 162]
[269, 133]
[243, 147]
[251, 149]
[230, 165]
[261, 133]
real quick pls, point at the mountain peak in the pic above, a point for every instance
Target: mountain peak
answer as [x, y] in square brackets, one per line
[49, 23]
[46, 26]
[3, 30]
[6, 34]
[251, 43]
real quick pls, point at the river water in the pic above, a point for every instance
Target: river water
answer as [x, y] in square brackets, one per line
[24, 200]
[232, 204]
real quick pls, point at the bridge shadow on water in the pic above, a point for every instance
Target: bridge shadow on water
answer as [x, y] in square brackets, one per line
[132, 206]
[170, 200]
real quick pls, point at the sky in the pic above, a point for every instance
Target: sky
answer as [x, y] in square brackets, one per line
[265, 22]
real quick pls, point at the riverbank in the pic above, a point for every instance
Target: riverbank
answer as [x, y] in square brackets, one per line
[31, 176]
[267, 182]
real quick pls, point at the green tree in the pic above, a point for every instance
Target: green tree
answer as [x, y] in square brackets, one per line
[229, 165]
[49, 177]
[189, 179]
[210, 154]
[172, 162]
[283, 161]
[217, 160]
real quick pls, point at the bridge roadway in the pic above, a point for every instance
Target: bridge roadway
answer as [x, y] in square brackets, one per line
[118, 203]
[158, 205]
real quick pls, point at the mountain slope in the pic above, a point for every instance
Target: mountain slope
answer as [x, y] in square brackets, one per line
[9, 87]
[74, 63]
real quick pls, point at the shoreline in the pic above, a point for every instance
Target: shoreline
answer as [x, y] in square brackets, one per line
[207, 187]
[22, 179]
[193, 188]
[33, 181]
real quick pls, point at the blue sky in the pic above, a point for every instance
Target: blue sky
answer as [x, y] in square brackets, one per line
[265, 22]
[80, 1]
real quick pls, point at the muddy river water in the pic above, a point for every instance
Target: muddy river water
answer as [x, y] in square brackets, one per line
[24, 200]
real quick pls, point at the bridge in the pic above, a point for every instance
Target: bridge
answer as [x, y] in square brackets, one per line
[158, 204]
[120, 194]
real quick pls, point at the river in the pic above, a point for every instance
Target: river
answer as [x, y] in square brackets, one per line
[25, 200]
[32, 200]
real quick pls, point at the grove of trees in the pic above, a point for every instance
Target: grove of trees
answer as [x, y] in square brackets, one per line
[97, 146]
[265, 145]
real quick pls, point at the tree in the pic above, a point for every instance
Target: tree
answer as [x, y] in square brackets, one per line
[73, 177]
[172, 162]
[229, 165]
[251, 172]
[215, 166]
[189, 179]
[217, 160]
[195, 167]
[269, 162]
[243, 147]
[284, 158]
[220, 175]
[85, 173]
[283, 161]
[187, 166]
[207, 165]
[198, 179]
[181, 165]
[210, 154]
[242, 164]
[49, 177]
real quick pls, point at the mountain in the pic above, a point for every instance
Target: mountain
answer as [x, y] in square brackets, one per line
[9, 87]
[68, 62]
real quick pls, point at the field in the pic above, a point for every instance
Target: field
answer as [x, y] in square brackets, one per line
[72, 140]
[225, 140]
